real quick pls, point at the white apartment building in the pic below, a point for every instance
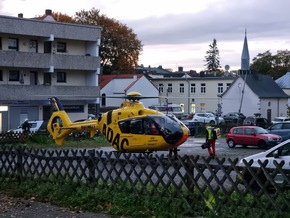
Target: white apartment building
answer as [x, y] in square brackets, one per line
[41, 58]
[194, 94]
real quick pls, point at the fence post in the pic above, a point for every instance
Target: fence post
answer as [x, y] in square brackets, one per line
[91, 166]
[19, 160]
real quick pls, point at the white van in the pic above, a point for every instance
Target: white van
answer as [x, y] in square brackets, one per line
[171, 109]
[36, 125]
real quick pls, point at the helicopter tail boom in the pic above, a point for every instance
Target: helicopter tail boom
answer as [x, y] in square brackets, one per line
[60, 125]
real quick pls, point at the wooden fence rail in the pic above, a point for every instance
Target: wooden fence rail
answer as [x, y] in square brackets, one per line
[220, 183]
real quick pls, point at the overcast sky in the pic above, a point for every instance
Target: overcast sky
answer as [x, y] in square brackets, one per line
[178, 33]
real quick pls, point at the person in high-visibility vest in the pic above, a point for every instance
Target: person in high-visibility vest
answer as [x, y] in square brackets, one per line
[211, 138]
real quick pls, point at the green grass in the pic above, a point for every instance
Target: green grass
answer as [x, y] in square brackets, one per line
[45, 141]
[81, 197]
[118, 201]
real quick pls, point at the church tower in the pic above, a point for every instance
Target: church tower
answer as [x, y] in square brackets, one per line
[245, 59]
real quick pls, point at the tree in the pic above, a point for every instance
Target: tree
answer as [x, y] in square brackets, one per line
[120, 47]
[212, 57]
[262, 63]
[273, 65]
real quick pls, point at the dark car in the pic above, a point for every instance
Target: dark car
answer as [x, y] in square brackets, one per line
[282, 129]
[191, 126]
[251, 136]
[257, 121]
[234, 117]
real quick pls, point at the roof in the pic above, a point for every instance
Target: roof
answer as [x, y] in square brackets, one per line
[264, 86]
[284, 81]
[105, 79]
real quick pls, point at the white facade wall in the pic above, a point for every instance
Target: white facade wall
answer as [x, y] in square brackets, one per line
[146, 88]
[277, 107]
[119, 87]
[192, 99]
[234, 100]
[251, 103]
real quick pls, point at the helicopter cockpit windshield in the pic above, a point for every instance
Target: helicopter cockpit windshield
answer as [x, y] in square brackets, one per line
[166, 126]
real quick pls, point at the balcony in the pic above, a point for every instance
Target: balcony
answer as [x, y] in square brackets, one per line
[44, 61]
[43, 92]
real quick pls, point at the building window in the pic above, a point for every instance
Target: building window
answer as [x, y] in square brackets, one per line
[103, 99]
[14, 75]
[161, 88]
[13, 44]
[1, 75]
[61, 47]
[192, 88]
[61, 77]
[220, 88]
[169, 89]
[33, 46]
[228, 85]
[181, 88]
[202, 88]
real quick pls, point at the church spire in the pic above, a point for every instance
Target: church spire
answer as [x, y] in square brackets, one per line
[245, 60]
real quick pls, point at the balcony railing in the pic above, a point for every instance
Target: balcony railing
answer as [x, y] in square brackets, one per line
[44, 61]
[43, 92]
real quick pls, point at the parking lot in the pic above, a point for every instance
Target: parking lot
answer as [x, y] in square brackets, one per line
[193, 147]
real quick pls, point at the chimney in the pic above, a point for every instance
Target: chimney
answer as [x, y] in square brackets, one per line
[48, 12]
[180, 69]
[20, 15]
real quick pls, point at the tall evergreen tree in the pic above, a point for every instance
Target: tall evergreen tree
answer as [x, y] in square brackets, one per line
[212, 58]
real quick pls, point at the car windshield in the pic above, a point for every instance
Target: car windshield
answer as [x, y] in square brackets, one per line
[210, 115]
[261, 130]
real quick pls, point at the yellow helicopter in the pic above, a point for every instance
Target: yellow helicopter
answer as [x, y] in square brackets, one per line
[130, 128]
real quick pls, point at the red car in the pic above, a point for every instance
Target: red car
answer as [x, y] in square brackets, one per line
[251, 136]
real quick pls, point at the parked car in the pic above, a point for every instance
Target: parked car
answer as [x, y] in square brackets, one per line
[257, 121]
[234, 117]
[207, 118]
[278, 153]
[191, 126]
[36, 125]
[251, 136]
[282, 129]
[280, 119]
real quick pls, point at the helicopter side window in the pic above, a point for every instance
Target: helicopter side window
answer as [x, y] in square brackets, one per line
[124, 126]
[136, 127]
[150, 127]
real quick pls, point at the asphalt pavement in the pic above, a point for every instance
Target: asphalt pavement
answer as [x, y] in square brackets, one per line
[193, 147]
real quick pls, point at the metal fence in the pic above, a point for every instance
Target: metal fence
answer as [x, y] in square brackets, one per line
[220, 183]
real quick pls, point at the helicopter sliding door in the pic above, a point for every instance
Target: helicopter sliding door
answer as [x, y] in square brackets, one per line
[151, 131]
[142, 133]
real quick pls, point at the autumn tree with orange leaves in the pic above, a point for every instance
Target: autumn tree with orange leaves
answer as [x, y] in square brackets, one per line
[120, 47]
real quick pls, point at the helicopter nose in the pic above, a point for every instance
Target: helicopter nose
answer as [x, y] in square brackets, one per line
[184, 137]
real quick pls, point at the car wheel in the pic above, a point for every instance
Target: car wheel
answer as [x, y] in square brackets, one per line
[262, 144]
[212, 122]
[77, 134]
[231, 143]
